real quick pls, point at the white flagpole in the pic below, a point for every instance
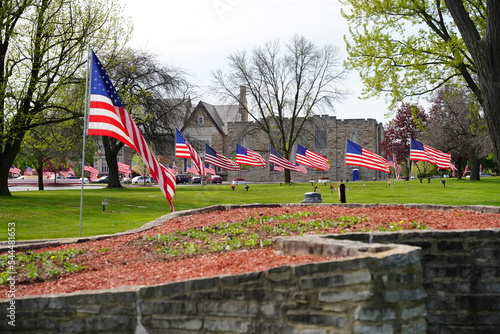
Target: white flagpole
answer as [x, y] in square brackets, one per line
[85, 124]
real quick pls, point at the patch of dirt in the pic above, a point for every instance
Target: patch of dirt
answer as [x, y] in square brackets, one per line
[133, 260]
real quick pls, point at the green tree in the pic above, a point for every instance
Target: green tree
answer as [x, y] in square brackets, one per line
[456, 125]
[286, 87]
[411, 48]
[43, 53]
[409, 122]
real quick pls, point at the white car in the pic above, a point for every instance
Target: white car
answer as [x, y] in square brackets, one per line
[141, 180]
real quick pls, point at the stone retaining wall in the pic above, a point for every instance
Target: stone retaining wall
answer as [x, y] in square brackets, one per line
[461, 275]
[376, 289]
[384, 284]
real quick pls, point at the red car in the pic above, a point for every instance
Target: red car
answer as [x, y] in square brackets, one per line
[214, 179]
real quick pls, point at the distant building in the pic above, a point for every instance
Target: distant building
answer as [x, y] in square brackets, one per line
[224, 126]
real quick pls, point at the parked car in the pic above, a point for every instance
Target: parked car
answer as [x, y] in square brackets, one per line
[57, 177]
[85, 180]
[102, 179]
[181, 178]
[141, 180]
[126, 180]
[483, 174]
[214, 179]
[195, 179]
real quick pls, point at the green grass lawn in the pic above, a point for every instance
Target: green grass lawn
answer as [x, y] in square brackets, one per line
[55, 213]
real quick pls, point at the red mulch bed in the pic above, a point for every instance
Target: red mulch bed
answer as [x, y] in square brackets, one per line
[128, 260]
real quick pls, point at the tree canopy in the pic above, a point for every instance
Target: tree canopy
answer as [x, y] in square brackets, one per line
[43, 53]
[410, 48]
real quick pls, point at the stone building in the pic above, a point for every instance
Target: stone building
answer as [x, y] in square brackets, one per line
[225, 126]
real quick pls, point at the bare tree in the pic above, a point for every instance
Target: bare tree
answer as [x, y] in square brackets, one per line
[286, 87]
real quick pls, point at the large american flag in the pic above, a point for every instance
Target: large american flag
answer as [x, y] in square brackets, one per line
[277, 159]
[312, 159]
[359, 156]
[245, 156]
[108, 117]
[421, 152]
[183, 149]
[215, 158]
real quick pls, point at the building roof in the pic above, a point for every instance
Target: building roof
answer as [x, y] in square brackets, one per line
[221, 115]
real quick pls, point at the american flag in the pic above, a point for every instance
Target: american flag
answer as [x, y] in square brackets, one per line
[108, 117]
[14, 170]
[172, 170]
[93, 172]
[209, 169]
[124, 168]
[394, 164]
[193, 170]
[278, 168]
[28, 170]
[215, 158]
[245, 156]
[359, 156]
[183, 149]
[277, 159]
[312, 159]
[181, 146]
[301, 168]
[453, 169]
[419, 151]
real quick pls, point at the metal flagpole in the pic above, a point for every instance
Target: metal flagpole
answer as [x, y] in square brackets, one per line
[85, 124]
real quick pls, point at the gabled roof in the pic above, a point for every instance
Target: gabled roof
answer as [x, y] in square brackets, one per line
[220, 114]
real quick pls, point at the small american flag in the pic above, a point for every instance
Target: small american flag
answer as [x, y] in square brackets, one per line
[93, 172]
[124, 168]
[359, 156]
[245, 156]
[215, 158]
[28, 170]
[419, 151]
[183, 149]
[14, 170]
[278, 168]
[301, 168]
[312, 159]
[108, 117]
[277, 159]
[209, 169]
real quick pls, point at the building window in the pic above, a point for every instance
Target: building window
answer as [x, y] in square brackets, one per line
[320, 138]
[200, 120]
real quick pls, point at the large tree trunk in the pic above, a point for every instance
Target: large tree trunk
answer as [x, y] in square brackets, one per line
[485, 50]
[474, 168]
[6, 160]
[40, 176]
[111, 152]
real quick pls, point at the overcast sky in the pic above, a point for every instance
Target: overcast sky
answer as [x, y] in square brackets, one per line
[198, 36]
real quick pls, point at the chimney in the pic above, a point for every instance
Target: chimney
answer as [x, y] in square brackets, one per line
[242, 109]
